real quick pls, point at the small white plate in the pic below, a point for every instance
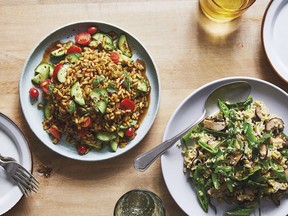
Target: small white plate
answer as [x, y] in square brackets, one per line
[275, 36]
[34, 116]
[14, 144]
[187, 112]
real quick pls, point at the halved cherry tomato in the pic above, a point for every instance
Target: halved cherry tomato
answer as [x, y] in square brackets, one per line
[127, 104]
[114, 56]
[92, 30]
[44, 85]
[82, 132]
[55, 133]
[87, 122]
[34, 93]
[129, 132]
[74, 49]
[82, 149]
[83, 38]
[56, 69]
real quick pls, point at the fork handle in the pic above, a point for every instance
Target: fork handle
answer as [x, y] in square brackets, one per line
[143, 161]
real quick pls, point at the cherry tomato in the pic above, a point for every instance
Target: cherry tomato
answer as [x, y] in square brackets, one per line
[44, 85]
[92, 30]
[56, 69]
[82, 132]
[82, 149]
[74, 49]
[87, 122]
[34, 93]
[129, 132]
[114, 56]
[83, 38]
[127, 104]
[55, 133]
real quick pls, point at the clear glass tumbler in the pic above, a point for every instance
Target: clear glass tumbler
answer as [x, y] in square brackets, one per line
[224, 10]
[139, 202]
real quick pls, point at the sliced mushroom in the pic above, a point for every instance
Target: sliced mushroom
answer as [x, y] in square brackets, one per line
[214, 124]
[259, 112]
[234, 158]
[275, 124]
[263, 151]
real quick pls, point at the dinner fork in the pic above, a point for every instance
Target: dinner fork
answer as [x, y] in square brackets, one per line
[24, 179]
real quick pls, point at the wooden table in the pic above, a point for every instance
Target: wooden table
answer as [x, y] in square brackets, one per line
[189, 51]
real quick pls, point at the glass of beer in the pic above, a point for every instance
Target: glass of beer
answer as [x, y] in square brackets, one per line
[139, 202]
[224, 10]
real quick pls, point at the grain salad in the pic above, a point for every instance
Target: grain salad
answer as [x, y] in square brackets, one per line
[93, 91]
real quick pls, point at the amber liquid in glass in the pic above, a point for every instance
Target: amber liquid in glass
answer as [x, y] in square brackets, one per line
[224, 10]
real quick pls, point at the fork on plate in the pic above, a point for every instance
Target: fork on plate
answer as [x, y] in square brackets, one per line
[24, 179]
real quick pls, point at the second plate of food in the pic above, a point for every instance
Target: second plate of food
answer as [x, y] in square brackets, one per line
[172, 162]
[90, 91]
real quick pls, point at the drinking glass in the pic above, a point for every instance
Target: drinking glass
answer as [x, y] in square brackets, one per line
[224, 10]
[139, 202]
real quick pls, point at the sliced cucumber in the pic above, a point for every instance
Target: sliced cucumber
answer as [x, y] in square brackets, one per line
[41, 74]
[114, 146]
[100, 98]
[61, 75]
[121, 133]
[105, 136]
[73, 57]
[105, 40]
[58, 53]
[124, 46]
[43, 67]
[125, 59]
[142, 86]
[76, 94]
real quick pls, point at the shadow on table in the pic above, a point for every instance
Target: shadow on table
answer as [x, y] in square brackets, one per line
[215, 32]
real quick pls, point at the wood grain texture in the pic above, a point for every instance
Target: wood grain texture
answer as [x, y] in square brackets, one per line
[189, 51]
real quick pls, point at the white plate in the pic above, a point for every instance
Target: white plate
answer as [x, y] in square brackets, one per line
[34, 116]
[14, 144]
[188, 111]
[274, 36]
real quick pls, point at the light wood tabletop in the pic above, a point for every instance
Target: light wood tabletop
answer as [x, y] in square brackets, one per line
[188, 50]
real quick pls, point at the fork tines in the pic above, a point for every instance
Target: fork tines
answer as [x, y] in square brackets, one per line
[26, 181]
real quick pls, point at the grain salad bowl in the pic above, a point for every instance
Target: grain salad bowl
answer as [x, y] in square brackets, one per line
[33, 102]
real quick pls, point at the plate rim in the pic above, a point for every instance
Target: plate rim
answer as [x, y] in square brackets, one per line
[15, 190]
[201, 88]
[264, 20]
[155, 74]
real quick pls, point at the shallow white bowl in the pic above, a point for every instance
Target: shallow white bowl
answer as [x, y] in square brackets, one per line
[189, 111]
[34, 116]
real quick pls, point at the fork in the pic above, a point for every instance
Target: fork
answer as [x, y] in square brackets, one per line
[24, 179]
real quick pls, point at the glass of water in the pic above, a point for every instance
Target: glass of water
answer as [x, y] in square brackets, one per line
[139, 202]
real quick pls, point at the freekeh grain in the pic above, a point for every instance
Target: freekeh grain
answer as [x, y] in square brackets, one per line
[95, 70]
